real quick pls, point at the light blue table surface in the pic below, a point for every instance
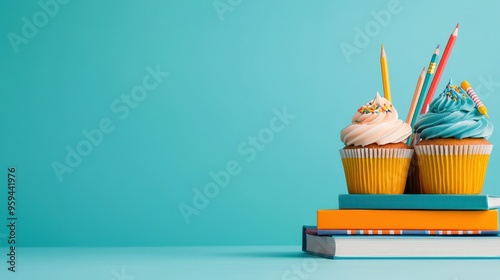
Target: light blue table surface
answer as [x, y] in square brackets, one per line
[270, 262]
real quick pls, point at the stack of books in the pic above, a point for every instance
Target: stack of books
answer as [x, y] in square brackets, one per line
[411, 226]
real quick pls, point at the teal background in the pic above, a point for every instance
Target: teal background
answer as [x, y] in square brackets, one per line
[227, 73]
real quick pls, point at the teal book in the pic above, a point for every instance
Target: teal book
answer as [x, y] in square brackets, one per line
[419, 201]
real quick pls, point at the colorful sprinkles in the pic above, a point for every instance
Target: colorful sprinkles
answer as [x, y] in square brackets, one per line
[371, 108]
[453, 91]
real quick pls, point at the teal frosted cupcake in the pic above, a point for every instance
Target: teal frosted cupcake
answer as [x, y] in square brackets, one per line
[453, 154]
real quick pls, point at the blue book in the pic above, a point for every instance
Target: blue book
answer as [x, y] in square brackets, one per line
[404, 232]
[419, 201]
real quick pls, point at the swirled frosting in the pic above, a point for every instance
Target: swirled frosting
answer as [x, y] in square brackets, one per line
[375, 123]
[453, 115]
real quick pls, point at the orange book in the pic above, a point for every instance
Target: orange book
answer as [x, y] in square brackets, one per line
[407, 219]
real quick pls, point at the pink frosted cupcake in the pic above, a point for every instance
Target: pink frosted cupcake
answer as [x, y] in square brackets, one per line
[375, 157]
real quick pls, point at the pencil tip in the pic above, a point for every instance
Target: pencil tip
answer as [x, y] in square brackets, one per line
[436, 51]
[455, 31]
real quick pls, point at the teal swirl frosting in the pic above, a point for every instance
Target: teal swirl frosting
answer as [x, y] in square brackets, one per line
[453, 115]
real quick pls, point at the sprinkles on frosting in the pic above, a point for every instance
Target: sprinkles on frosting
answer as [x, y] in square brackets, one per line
[453, 91]
[371, 108]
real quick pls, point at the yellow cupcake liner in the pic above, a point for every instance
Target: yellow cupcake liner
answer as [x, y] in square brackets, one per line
[376, 171]
[453, 169]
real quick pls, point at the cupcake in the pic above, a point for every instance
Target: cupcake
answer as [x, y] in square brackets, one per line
[375, 157]
[454, 151]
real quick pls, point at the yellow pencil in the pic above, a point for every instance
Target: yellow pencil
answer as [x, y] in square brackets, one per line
[385, 74]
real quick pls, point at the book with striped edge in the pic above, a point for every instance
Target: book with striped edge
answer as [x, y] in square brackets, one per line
[403, 232]
[398, 246]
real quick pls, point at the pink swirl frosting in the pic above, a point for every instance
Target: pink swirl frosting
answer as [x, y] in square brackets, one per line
[376, 122]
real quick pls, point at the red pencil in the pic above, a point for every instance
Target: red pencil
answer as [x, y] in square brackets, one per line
[439, 71]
